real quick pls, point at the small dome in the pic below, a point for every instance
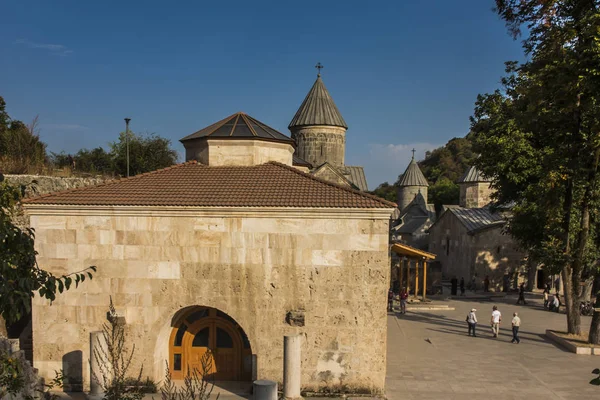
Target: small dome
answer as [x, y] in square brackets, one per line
[473, 175]
[318, 108]
[413, 176]
[239, 126]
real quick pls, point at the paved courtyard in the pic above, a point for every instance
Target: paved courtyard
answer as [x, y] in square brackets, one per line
[430, 356]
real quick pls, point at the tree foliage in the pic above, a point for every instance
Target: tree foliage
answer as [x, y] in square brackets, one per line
[146, 153]
[20, 276]
[540, 140]
[442, 168]
[386, 191]
[21, 150]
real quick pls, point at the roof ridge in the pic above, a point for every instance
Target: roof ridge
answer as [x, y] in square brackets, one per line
[335, 185]
[215, 126]
[111, 181]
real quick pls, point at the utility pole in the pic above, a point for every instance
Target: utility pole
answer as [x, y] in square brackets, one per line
[127, 141]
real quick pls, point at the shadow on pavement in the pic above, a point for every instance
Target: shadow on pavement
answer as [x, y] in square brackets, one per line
[456, 327]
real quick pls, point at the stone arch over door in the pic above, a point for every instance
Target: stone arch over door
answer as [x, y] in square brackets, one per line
[209, 341]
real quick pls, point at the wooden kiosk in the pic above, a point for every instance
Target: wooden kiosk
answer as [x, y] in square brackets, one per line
[411, 255]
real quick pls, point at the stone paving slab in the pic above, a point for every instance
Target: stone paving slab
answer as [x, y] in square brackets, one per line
[431, 356]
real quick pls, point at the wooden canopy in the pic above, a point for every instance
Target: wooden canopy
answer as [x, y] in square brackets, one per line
[408, 251]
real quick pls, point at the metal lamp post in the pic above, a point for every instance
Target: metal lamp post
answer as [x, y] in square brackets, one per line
[127, 141]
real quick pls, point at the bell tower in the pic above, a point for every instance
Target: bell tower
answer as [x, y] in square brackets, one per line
[318, 127]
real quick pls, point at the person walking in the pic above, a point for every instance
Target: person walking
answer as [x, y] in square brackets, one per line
[472, 321]
[516, 323]
[486, 284]
[521, 294]
[546, 295]
[462, 286]
[403, 298]
[390, 300]
[556, 303]
[495, 321]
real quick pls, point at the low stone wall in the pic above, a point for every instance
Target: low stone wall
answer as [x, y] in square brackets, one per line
[36, 185]
[572, 347]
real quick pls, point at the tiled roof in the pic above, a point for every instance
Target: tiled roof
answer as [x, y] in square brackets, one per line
[473, 175]
[318, 108]
[193, 184]
[239, 126]
[477, 219]
[413, 176]
[356, 175]
[300, 162]
[412, 225]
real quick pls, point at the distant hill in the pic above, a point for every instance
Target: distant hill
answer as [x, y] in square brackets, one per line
[442, 167]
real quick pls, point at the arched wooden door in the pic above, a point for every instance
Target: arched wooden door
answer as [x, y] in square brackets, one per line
[210, 342]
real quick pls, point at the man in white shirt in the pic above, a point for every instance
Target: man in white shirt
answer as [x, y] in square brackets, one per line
[516, 323]
[472, 321]
[496, 319]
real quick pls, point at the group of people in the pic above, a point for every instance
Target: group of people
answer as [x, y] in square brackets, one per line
[495, 324]
[403, 298]
[551, 305]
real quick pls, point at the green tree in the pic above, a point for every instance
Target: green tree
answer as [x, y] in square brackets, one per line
[21, 150]
[444, 191]
[539, 138]
[146, 153]
[94, 161]
[386, 191]
[450, 161]
[20, 276]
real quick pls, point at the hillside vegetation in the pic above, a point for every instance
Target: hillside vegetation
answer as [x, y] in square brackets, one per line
[442, 167]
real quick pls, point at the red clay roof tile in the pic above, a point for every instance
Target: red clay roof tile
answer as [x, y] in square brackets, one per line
[193, 184]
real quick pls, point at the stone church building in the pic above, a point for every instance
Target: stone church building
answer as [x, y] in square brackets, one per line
[415, 216]
[469, 238]
[220, 252]
[320, 134]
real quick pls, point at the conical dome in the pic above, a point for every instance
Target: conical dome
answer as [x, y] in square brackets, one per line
[413, 176]
[473, 175]
[318, 108]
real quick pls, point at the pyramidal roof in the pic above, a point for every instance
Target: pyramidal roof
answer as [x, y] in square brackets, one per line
[413, 175]
[239, 126]
[473, 175]
[318, 108]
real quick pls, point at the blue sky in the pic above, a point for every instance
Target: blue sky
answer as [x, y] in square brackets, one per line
[403, 73]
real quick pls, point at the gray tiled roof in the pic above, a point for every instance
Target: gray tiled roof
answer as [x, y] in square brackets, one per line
[476, 219]
[356, 175]
[473, 175]
[239, 126]
[413, 225]
[413, 176]
[318, 108]
[300, 162]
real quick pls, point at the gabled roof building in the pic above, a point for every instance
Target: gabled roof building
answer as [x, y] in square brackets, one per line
[228, 252]
[470, 241]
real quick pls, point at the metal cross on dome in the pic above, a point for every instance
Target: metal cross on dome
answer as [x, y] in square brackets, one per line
[413, 151]
[319, 67]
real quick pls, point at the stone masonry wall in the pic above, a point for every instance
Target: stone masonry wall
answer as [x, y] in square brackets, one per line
[406, 195]
[36, 185]
[318, 144]
[254, 269]
[475, 195]
[488, 252]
